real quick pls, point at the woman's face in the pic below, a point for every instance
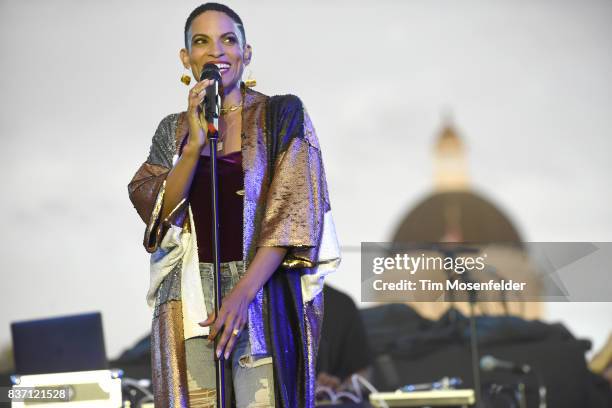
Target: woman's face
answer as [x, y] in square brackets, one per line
[215, 37]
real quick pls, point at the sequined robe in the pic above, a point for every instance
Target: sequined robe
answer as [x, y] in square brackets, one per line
[286, 204]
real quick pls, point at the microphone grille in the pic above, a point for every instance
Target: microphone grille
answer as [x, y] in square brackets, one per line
[210, 71]
[488, 363]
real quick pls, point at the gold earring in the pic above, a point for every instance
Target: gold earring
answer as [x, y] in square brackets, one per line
[250, 81]
[185, 78]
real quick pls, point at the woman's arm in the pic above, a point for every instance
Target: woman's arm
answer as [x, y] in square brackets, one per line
[178, 181]
[234, 308]
[265, 262]
[180, 177]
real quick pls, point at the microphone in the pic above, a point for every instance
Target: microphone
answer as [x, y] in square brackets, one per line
[490, 363]
[211, 106]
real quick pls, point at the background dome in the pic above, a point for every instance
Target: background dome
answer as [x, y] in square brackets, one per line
[467, 215]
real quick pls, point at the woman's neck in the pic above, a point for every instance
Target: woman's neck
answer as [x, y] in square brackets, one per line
[233, 98]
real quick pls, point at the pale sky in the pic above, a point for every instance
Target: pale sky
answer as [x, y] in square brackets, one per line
[85, 83]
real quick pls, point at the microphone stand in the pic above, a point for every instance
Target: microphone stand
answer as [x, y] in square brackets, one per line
[474, 349]
[212, 119]
[452, 252]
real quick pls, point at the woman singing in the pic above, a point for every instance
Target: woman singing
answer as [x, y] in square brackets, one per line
[276, 235]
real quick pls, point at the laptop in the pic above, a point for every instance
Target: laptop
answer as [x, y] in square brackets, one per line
[60, 344]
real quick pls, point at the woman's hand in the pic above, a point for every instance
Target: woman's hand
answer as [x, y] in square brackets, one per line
[233, 317]
[197, 123]
[234, 308]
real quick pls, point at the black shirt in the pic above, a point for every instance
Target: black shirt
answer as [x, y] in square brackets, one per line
[344, 348]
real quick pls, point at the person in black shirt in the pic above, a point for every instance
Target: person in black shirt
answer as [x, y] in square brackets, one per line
[344, 349]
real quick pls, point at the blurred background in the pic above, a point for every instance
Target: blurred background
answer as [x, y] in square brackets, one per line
[521, 89]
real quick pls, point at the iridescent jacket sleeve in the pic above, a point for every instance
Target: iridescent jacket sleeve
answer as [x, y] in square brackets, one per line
[146, 189]
[297, 200]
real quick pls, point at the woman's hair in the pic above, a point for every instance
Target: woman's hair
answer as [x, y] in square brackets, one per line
[214, 7]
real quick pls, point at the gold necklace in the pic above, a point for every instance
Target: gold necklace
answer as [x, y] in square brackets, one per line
[232, 108]
[221, 138]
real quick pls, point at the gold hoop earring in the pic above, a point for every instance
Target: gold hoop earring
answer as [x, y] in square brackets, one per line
[185, 78]
[250, 81]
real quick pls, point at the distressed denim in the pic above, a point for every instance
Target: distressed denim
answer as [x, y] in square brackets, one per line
[249, 378]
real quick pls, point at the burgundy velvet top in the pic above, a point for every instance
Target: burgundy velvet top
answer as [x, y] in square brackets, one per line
[231, 192]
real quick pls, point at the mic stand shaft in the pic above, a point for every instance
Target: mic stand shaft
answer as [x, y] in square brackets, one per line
[213, 138]
[474, 351]
[474, 354]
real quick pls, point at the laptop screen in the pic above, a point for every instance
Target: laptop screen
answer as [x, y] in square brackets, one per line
[61, 344]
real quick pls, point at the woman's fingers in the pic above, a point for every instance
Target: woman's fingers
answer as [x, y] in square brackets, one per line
[230, 321]
[197, 123]
[233, 338]
[196, 95]
[228, 327]
[209, 320]
[199, 89]
[217, 325]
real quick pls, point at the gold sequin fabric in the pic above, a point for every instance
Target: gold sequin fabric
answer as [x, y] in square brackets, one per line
[145, 185]
[168, 357]
[298, 197]
[255, 165]
[313, 320]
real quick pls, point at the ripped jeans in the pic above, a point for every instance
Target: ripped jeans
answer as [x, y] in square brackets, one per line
[248, 378]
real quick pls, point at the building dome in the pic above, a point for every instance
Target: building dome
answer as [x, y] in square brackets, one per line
[453, 212]
[460, 216]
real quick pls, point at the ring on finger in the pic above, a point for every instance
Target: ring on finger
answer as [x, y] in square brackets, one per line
[236, 332]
